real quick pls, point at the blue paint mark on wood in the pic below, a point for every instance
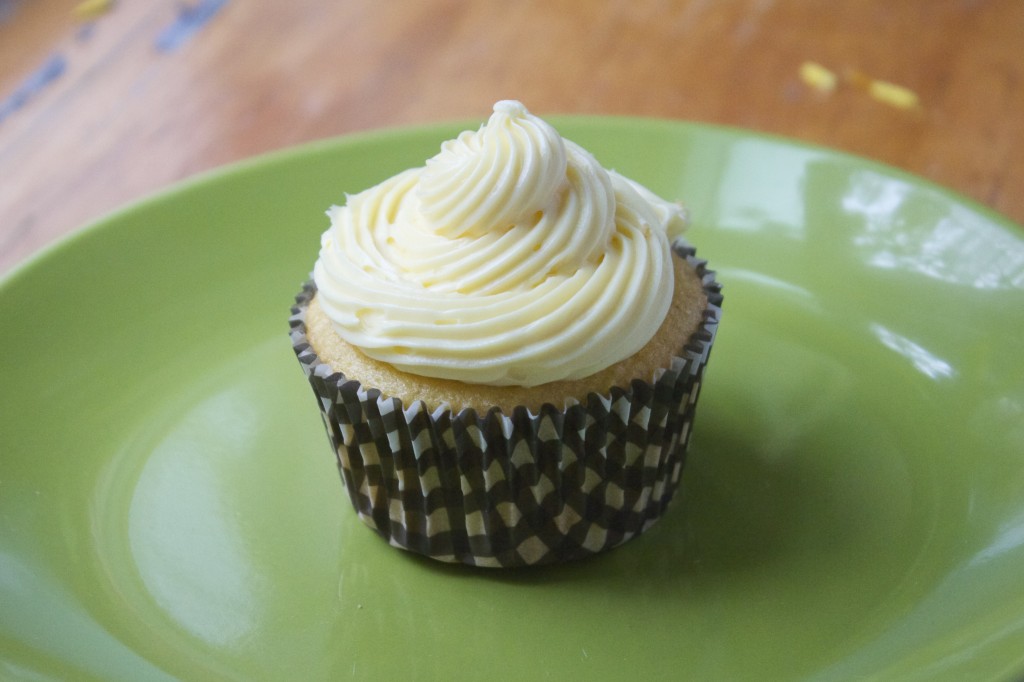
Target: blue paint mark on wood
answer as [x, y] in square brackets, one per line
[190, 19]
[7, 9]
[50, 71]
[85, 31]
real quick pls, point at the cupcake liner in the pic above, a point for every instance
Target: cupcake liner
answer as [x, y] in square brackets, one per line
[500, 490]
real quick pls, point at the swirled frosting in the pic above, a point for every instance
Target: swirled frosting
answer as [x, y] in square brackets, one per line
[511, 258]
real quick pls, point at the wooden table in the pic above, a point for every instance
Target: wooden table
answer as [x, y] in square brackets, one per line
[99, 110]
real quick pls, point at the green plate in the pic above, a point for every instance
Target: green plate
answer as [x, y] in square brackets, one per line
[853, 505]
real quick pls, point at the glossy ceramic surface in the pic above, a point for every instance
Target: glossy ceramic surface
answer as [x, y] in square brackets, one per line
[853, 504]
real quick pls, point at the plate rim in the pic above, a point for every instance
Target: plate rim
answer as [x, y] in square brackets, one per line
[373, 135]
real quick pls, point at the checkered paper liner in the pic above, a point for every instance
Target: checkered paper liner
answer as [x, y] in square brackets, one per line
[500, 490]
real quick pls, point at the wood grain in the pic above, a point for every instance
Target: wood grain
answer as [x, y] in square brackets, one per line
[125, 119]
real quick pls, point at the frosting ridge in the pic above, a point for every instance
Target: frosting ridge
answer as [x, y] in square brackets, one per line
[511, 258]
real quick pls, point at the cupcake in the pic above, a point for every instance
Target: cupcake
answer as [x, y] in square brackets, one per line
[507, 345]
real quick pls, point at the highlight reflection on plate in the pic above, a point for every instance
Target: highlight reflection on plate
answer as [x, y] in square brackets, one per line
[853, 502]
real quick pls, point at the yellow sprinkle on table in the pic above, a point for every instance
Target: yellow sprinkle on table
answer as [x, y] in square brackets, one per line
[90, 9]
[817, 76]
[892, 94]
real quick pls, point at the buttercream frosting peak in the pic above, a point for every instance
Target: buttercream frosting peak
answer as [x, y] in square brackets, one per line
[495, 177]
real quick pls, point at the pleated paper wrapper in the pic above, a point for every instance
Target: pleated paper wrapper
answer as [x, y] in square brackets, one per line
[526, 488]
